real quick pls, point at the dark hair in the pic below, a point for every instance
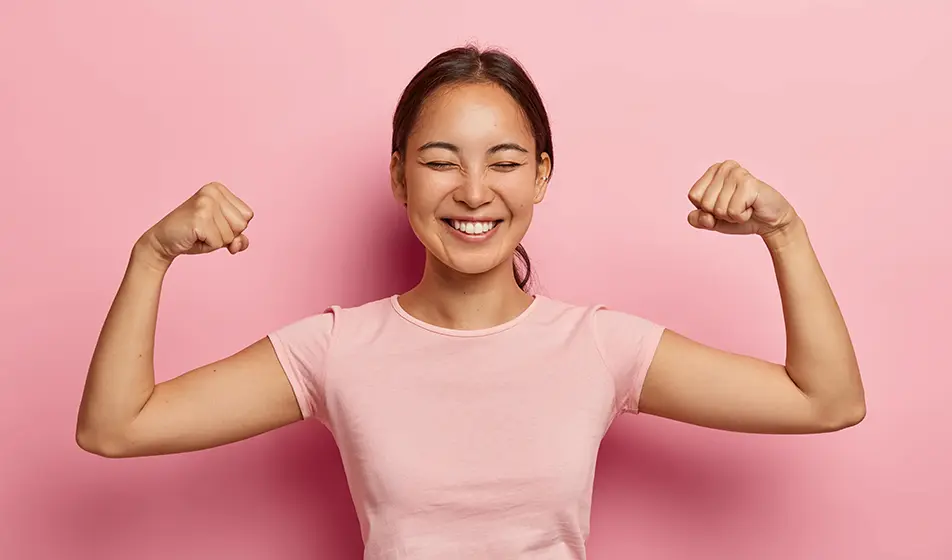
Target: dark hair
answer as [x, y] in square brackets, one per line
[469, 64]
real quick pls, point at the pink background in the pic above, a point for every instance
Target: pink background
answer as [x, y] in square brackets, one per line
[111, 113]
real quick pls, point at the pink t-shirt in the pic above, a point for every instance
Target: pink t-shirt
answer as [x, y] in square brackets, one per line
[469, 444]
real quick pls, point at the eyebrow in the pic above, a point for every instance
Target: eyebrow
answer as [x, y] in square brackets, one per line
[455, 149]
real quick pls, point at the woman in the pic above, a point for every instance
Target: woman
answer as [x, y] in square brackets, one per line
[468, 412]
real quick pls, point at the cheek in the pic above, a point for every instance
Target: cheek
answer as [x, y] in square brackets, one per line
[424, 191]
[424, 196]
[519, 196]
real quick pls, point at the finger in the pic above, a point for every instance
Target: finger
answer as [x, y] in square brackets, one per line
[220, 193]
[728, 192]
[243, 209]
[238, 245]
[224, 229]
[697, 191]
[741, 206]
[717, 183]
[233, 216]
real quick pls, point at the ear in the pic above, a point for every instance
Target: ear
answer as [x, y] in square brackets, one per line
[398, 183]
[543, 170]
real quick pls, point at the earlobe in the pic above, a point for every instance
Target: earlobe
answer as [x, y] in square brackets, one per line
[541, 186]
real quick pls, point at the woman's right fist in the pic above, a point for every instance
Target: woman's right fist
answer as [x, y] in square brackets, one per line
[211, 219]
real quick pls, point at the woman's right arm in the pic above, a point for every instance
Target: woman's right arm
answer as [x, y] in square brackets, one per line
[123, 412]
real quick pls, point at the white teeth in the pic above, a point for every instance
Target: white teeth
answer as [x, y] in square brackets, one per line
[473, 228]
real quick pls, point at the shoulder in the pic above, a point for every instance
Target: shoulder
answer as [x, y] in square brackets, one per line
[323, 323]
[549, 310]
[369, 312]
[619, 335]
[601, 317]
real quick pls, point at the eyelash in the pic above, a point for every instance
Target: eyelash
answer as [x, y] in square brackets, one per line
[441, 165]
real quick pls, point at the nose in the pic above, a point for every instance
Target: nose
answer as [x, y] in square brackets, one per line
[473, 192]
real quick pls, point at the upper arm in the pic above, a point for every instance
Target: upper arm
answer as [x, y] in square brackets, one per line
[235, 398]
[269, 384]
[660, 372]
[690, 382]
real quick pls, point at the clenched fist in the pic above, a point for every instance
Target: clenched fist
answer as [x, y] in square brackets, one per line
[731, 200]
[211, 219]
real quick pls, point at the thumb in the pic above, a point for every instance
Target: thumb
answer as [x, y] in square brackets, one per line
[701, 219]
[705, 220]
[238, 244]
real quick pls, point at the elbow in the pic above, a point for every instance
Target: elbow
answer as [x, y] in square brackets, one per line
[95, 442]
[844, 415]
[851, 416]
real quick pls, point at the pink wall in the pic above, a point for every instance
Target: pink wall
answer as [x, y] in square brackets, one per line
[113, 112]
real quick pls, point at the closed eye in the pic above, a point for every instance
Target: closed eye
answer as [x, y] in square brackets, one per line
[439, 164]
[506, 166]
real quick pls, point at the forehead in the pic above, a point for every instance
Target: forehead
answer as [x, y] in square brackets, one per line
[471, 113]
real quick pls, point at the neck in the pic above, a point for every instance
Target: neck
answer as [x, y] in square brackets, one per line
[450, 299]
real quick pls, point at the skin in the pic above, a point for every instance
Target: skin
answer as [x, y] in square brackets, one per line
[470, 154]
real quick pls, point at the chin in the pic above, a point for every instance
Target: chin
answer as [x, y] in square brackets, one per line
[472, 264]
[471, 261]
[474, 253]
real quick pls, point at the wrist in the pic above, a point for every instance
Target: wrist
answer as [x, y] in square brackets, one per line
[146, 255]
[786, 235]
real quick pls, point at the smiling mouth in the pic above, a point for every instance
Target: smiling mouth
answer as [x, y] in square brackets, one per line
[472, 228]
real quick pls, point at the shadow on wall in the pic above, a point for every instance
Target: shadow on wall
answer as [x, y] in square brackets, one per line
[282, 495]
[391, 260]
[660, 479]
[372, 254]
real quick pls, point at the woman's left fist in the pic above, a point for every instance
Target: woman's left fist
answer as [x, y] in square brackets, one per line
[731, 200]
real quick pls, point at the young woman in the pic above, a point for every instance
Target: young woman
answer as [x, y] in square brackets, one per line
[468, 412]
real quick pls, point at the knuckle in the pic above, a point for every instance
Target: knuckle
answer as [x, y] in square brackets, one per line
[204, 202]
[211, 191]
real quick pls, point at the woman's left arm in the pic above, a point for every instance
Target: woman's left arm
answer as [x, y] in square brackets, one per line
[819, 388]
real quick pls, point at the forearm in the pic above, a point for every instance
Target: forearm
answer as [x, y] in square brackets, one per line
[820, 356]
[121, 375]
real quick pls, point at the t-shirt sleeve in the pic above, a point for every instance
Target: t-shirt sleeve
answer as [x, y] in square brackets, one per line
[627, 344]
[302, 348]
